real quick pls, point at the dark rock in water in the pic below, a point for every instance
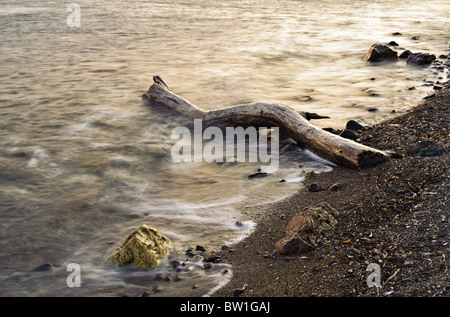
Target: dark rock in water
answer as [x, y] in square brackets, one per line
[200, 248]
[396, 33]
[372, 109]
[427, 148]
[349, 134]
[412, 88]
[379, 53]
[44, 268]
[393, 43]
[436, 87]
[415, 38]
[420, 59]
[257, 174]
[355, 125]
[405, 54]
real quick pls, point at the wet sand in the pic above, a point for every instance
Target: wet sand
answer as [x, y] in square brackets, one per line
[395, 215]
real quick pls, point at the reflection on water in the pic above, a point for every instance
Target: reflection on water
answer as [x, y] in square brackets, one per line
[84, 161]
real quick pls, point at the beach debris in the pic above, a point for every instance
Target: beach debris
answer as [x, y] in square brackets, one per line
[379, 53]
[334, 187]
[305, 230]
[144, 248]
[420, 59]
[337, 150]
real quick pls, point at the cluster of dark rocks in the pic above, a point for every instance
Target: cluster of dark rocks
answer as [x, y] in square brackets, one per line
[384, 52]
[351, 131]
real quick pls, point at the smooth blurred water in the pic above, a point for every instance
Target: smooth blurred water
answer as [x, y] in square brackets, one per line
[84, 161]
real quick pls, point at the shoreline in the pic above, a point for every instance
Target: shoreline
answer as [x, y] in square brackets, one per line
[395, 214]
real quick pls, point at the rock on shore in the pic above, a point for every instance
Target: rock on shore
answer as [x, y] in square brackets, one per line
[304, 231]
[144, 248]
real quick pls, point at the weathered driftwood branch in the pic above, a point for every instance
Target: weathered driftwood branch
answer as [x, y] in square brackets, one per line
[338, 150]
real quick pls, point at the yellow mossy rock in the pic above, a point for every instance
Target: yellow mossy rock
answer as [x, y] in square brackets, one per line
[144, 248]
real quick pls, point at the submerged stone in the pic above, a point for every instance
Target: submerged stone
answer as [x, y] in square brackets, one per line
[144, 248]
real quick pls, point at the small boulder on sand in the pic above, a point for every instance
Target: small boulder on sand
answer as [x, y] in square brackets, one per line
[305, 231]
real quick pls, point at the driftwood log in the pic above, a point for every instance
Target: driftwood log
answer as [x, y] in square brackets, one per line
[340, 151]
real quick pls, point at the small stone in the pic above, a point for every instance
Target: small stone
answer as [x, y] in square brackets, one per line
[405, 54]
[207, 266]
[214, 259]
[355, 125]
[393, 43]
[238, 292]
[44, 268]
[225, 248]
[224, 272]
[415, 38]
[372, 109]
[200, 248]
[257, 174]
[176, 264]
[314, 187]
[348, 134]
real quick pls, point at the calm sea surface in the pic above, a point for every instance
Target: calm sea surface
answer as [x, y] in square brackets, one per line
[84, 161]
